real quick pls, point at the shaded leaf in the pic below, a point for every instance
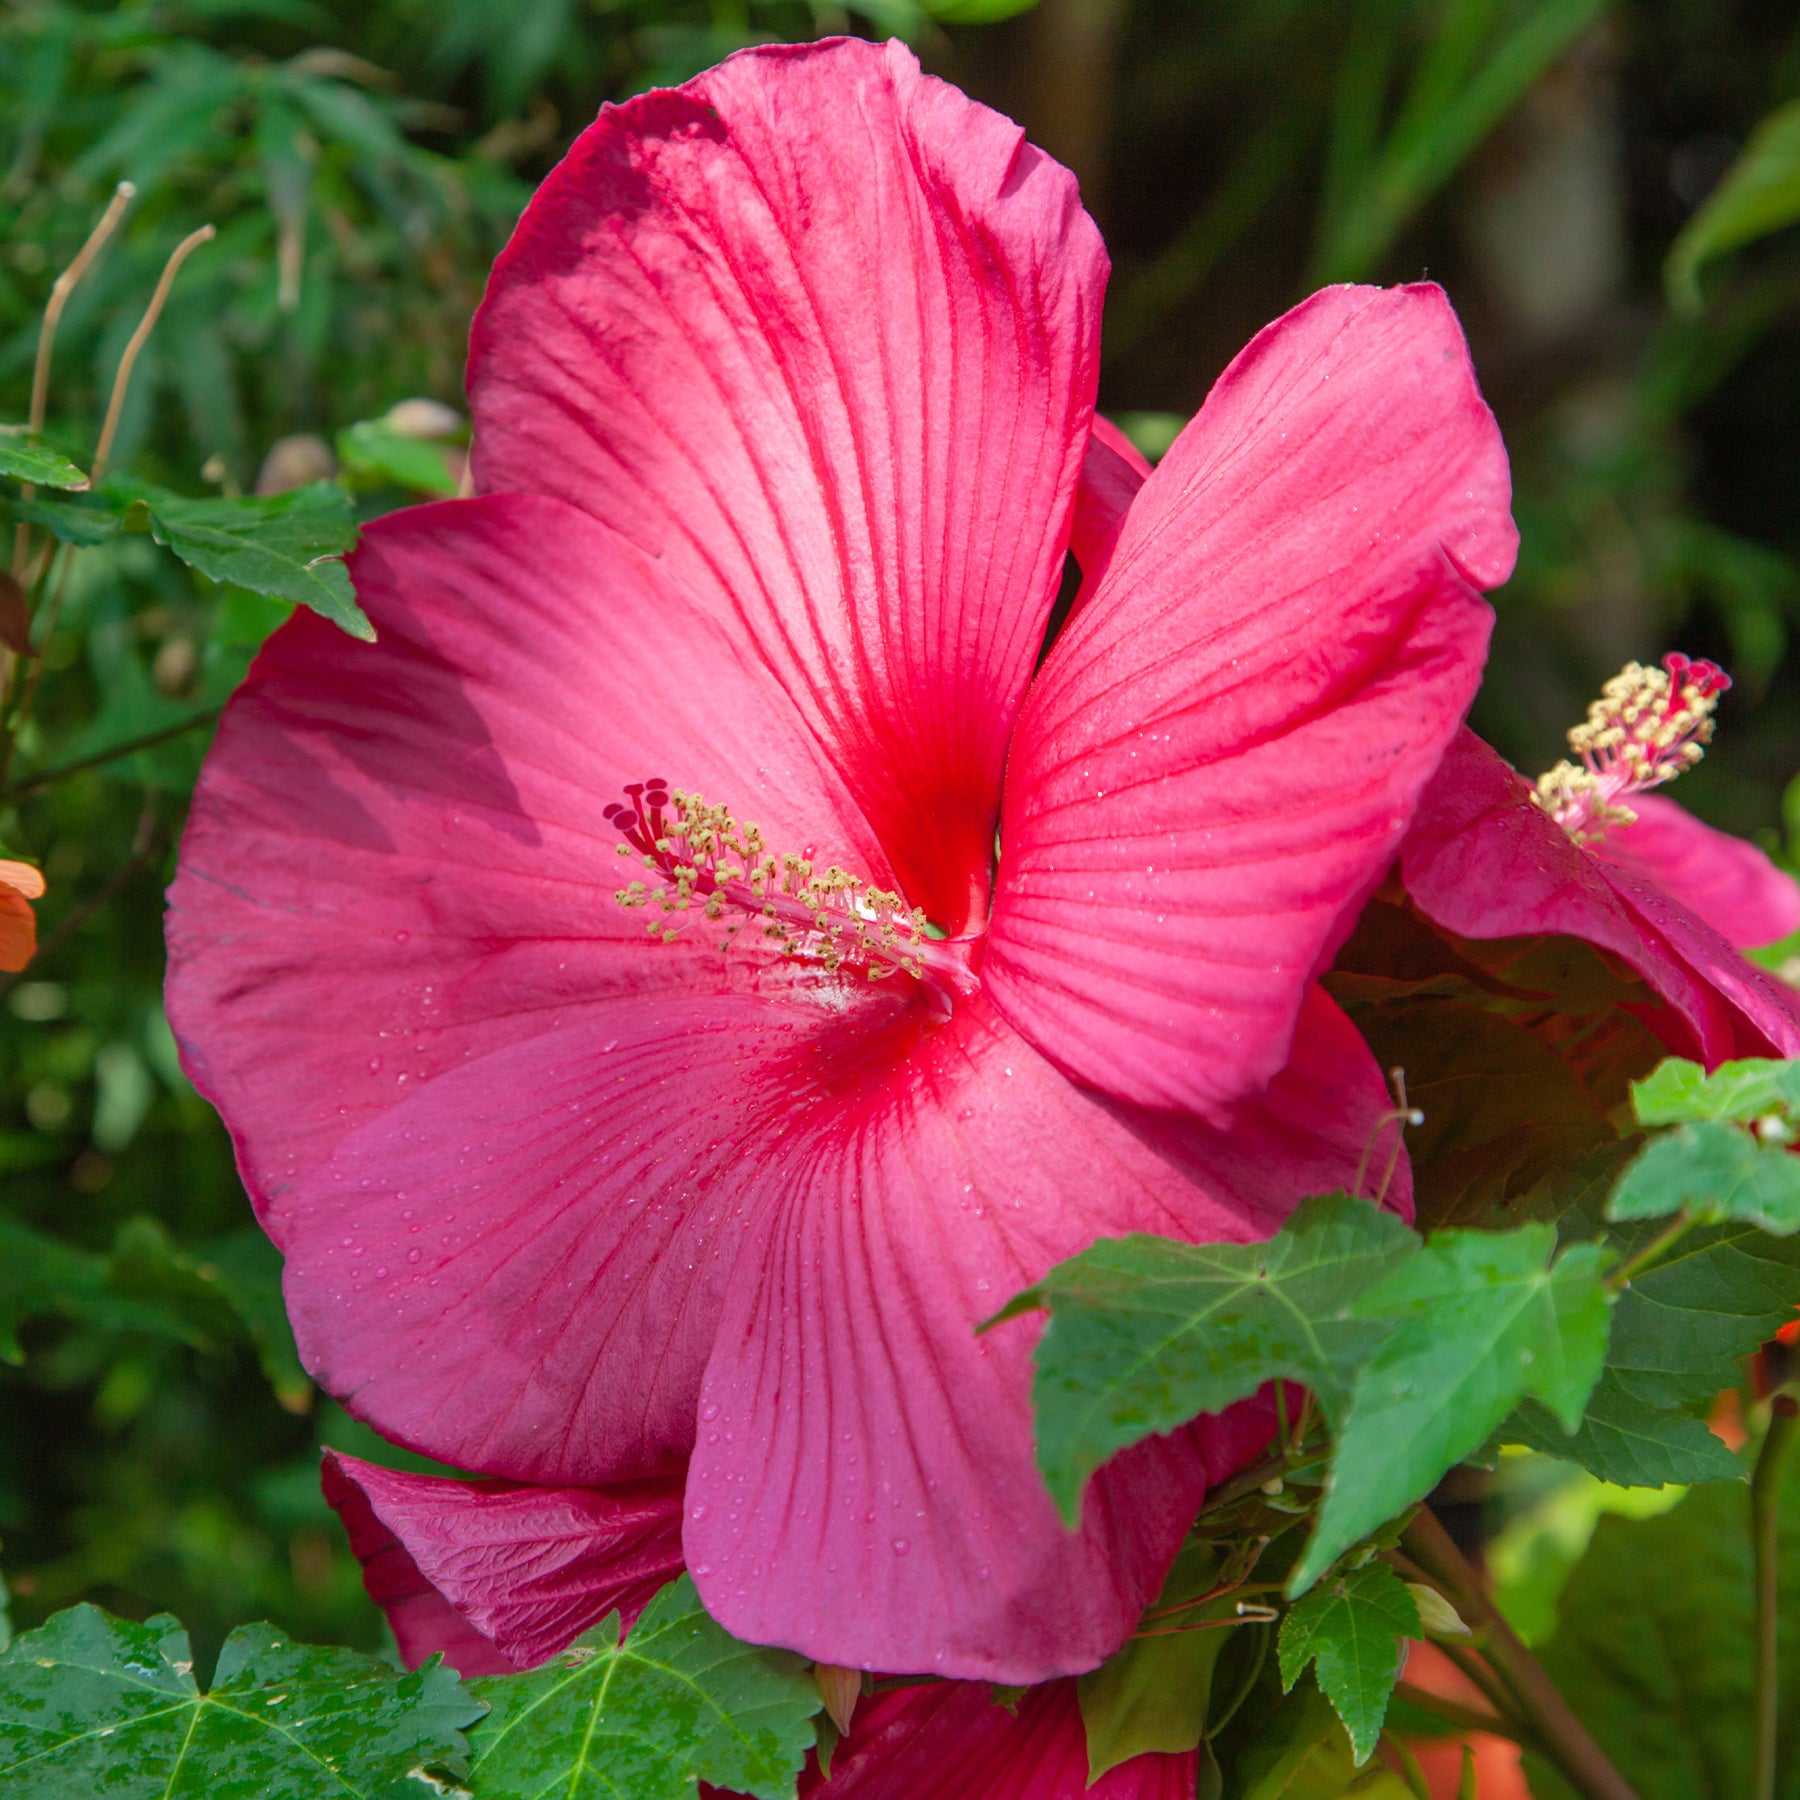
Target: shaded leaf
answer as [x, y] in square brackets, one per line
[1351, 1628]
[1679, 1330]
[39, 467]
[1759, 195]
[1483, 1319]
[1501, 1109]
[1156, 1692]
[68, 521]
[678, 1700]
[1628, 1442]
[1717, 1170]
[42, 1276]
[1653, 1646]
[91, 1704]
[1146, 1333]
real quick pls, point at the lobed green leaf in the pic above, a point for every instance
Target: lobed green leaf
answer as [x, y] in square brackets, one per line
[1351, 1628]
[1146, 1333]
[90, 1704]
[1628, 1442]
[1679, 1092]
[1482, 1319]
[678, 1701]
[1717, 1170]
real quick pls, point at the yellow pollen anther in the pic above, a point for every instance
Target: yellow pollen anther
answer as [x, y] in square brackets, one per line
[1647, 727]
[701, 853]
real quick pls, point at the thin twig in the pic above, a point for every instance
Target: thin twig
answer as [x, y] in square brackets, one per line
[150, 739]
[122, 381]
[1765, 1525]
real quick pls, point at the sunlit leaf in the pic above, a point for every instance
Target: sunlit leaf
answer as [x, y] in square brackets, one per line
[1679, 1092]
[678, 1700]
[1482, 1320]
[91, 1705]
[1351, 1629]
[287, 545]
[1145, 1333]
[34, 464]
[1716, 1170]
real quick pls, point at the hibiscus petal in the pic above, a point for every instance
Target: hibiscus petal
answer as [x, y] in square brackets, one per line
[520, 1269]
[1485, 862]
[499, 1575]
[821, 335]
[1224, 748]
[1730, 884]
[863, 1486]
[1112, 472]
[953, 1741]
[397, 859]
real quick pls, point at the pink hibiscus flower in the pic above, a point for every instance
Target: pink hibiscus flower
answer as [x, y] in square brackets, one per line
[782, 396]
[1591, 853]
[498, 1577]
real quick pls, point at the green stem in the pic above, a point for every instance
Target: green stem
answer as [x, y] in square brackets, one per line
[1765, 1525]
[149, 741]
[1652, 1253]
[1565, 1740]
[1464, 1718]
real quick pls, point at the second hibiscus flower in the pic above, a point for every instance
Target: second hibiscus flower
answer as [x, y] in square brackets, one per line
[783, 395]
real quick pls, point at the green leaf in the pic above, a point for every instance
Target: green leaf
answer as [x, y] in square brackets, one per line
[1628, 1442]
[68, 521]
[287, 545]
[1654, 1646]
[677, 1701]
[1145, 1333]
[91, 1704]
[41, 1276]
[1350, 1628]
[1679, 1330]
[1714, 1169]
[1679, 1092]
[976, 12]
[247, 1268]
[380, 455]
[1155, 1694]
[39, 467]
[1759, 195]
[1483, 1319]
[1502, 1110]
[1300, 1751]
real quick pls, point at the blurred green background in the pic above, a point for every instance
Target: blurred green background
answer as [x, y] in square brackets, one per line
[364, 162]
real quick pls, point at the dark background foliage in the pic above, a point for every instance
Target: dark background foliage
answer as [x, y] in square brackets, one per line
[363, 162]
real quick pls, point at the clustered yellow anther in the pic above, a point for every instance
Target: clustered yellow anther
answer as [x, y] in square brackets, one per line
[703, 860]
[1646, 728]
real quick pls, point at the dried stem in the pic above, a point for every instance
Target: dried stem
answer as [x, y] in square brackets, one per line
[60, 290]
[1765, 1524]
[122, 381]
